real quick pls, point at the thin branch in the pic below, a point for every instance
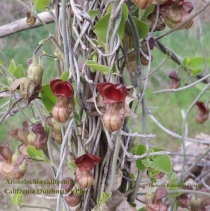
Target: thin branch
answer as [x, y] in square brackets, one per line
[10, 108]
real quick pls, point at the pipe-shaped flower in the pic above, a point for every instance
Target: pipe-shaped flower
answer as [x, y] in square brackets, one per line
[6, 152]
[114, 95]
[154, 202]
[204, 112]
[64, 92]
[175, 79]
[41, 135]
[61, 88]
[87, 162]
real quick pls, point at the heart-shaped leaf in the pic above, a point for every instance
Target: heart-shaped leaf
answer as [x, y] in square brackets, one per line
[48, 98]
[98, 67]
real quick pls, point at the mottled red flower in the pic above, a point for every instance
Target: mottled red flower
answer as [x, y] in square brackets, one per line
[87, 162]
[154, 202]
[6, 152]
[112, 93]
[61, 88]
[204, 112]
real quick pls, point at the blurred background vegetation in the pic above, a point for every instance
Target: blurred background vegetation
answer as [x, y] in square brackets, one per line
[166, 106]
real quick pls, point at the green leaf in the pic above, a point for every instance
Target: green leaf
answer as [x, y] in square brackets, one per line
[42, 4]
[201, 86]
[148, 12]
[142, 209]
[17, 199]
[105, 197]
[1, 62]
[141, 149]
[132, 176]
[122, 22]
[94, 13]
[101, 27]
[134, 148]
[109, 8]
[72, 165]
[176, 205]
[4, 89]
[142, 28]
[19, 71]
[76, 117]
[115, 69]
[98, 67]
[64, 76]
[48, 98]
[12, 67]
[101, 43]
[34, 153]
[194, 65]
[159, 162]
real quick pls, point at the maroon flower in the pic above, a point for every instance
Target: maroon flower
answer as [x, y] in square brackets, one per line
[41, 135]
[154, 202]
[204, 113]
[61, 88]
[175, 79]
[63, 108]
[112, 93]
[183, 199]
[87, 162]
[6, 152]
[20, 167]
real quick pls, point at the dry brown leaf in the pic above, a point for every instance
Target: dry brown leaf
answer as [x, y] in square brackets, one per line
[100, 104]
[16, 83]
[102, 207]
[125, 206]
[131, 96]
[117, 180]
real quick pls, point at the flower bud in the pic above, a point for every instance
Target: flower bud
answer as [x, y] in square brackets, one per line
[143, 4]
[56, 130]
[73, 199]
[195, 204]
[84, 178]
[35, 72]
[41, 135]
[62, 109]
[21, 133]
[67, 184]
[150, 20]
[114, 116]
[30, 19]
[20, 167]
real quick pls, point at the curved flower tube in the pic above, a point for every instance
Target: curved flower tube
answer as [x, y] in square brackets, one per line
[204, 113]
